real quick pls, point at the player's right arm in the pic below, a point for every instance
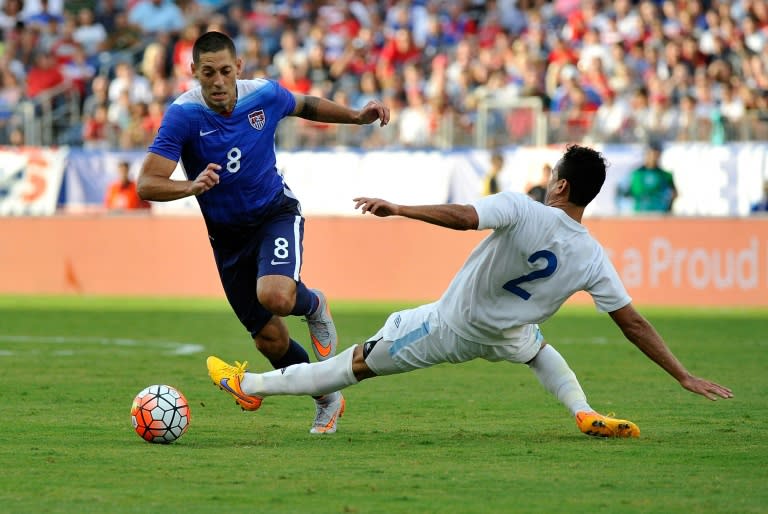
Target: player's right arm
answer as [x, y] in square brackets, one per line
[155, 184]
[642, 334]
[455, 216]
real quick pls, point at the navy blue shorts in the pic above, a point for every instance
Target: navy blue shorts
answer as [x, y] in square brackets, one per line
[243, 254]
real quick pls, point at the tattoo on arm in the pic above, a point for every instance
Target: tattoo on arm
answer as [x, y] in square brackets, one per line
[309, 110]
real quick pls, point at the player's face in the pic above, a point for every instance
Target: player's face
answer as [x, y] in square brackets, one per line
[217, 73]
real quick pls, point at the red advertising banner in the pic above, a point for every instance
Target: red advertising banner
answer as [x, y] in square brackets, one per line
[663, 261]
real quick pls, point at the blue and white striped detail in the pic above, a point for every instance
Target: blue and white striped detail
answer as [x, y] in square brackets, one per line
[409, 338]
[297, 247]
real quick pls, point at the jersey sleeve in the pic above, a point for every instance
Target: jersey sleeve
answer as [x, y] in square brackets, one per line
[499, 210]
[172, 133]
[606, 288]
[284, 98]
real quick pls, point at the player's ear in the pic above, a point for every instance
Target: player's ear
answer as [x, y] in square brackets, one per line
[239, 64]
[193, 68]
[562, 187]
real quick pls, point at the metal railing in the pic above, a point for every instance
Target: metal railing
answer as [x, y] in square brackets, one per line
[45, 118]
[49, 118]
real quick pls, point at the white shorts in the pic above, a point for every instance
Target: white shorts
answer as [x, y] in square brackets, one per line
[418, 338]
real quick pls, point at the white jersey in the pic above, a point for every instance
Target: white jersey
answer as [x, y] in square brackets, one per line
[535, 259]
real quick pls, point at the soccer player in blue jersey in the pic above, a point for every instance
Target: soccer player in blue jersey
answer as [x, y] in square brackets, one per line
[223, 132]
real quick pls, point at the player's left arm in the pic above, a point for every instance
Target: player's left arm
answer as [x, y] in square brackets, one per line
[643, 335]
[449, 215]
[320, 109]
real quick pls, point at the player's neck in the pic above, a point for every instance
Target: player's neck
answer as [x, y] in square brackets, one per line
[574, 211]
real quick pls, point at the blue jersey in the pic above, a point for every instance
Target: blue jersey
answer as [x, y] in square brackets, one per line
[243, 143]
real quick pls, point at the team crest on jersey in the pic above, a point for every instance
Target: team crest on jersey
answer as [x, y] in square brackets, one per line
[257, 119]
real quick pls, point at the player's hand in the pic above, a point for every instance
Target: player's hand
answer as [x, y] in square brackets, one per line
[374, 110]
[376, 206]
[706, 388]
[206, 179]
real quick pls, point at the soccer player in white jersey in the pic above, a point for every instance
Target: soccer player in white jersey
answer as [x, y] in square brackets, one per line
[537, 256]
[223, 132]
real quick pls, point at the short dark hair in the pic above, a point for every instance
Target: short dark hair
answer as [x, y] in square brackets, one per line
[584, 169]
[212, 42]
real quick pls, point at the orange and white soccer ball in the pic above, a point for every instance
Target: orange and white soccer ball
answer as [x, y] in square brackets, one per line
[160, 414]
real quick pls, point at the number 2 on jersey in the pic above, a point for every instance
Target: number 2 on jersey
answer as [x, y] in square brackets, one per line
[513, 285]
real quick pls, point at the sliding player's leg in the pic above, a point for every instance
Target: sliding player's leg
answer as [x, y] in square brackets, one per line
[557, 377]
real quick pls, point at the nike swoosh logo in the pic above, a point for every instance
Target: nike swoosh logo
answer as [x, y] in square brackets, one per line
[275, 263]
[225, 384]
[206, 133]
[322, 351]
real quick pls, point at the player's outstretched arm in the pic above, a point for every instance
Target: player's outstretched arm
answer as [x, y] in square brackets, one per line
[455, 216]
[319, 109]
[155, 182]
[642, 334]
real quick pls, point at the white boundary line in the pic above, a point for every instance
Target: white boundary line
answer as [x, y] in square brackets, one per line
[171, 347]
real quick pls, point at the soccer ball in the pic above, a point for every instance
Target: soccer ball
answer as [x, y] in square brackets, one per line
[160, 414]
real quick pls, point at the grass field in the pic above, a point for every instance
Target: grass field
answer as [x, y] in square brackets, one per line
[477, 437]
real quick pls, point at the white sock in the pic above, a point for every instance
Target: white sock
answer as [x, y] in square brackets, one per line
[557, 378]
[314, 379]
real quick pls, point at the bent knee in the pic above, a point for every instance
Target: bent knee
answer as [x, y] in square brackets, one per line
[359, 367]
[277, 301]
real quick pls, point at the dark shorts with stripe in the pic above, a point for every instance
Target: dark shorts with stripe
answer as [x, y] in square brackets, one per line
[274, 246]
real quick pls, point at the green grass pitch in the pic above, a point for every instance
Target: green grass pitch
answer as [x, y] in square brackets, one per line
[477, 437]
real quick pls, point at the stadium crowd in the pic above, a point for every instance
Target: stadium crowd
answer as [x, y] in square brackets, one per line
[604, 70]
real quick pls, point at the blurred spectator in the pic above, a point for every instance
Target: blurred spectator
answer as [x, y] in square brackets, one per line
[761, 206]
[687, 126]
[127, 79]
[78, 72]
[11, 91]
[318, 70]
[41, 14]
[491, 180]
[16, 137]
[90, 34]
[25, 45]
[662, 119]
[290, 53]
[107, 13]
[153, 16]
[64, 46]
[32, 7]
[10, 15]
[359, 57]
[134, 136]
[44, 75]
[398, 51]
[119, 112]
[611, 120]
[154, 117]
[538, 191]
[733, 109]
[651, 187]
[97, 96]
[182, 58]
[255, 60]
[122, 35]
[294, 78]
[163, 91]
[414, 122]
[121, 194]
[97, 130]
[155, 62]
[10, 95]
